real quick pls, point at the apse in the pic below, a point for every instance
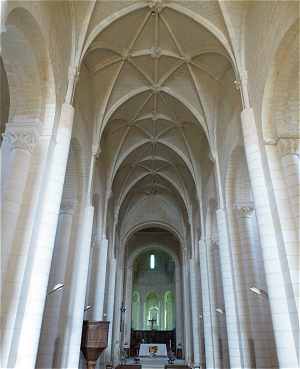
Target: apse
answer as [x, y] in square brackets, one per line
[153, 302]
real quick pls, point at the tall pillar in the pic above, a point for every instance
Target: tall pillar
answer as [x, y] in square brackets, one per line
[17, 149]
[118, 328]
[212, 350]
[261, 325]
[282, 303]
[74, 294]
[128, 304]
[179, 303]
[195, 313]
[98, 279]
[110, 306]
[289, 152]
[288, 149]
[245, 254]
[282, 160]
[49, 340]
[231, 309]
[242, 271]
[187, 311]
[19, 143]
[28, 327]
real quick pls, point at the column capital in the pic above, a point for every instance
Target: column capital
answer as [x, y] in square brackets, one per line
[288, 146]
[244, 211]
[23, 139]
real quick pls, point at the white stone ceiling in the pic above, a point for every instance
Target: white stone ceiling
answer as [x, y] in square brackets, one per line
[156, 76]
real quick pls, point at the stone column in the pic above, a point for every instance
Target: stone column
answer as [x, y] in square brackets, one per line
[195, 313]
[289, 151]
[212, 350]
[118, 328]
[17, 149]
[290, 162]
[260, 322]
[110, 306]
[98, 279]
[187, 312]
[179, 303]
[281, 155]
[142, 311]
[37, 273]
[231, 309]
[74, 294]
[282, 303]
[18, 145]
[128, 304]
[245, 276]
[49, 340]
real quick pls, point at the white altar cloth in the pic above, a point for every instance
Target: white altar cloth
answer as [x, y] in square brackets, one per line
[153, 349]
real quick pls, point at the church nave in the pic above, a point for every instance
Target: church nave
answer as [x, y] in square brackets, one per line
[150, 184]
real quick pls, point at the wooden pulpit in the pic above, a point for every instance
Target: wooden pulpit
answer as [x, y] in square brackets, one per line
[94, 340]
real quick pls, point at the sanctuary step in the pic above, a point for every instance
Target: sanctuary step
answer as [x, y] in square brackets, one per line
[160, 363]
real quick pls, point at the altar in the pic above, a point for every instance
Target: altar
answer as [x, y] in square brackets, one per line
[153, 349]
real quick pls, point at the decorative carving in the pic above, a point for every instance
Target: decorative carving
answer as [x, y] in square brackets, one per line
[155, 5]
[288, 146]
[94, 340]
[156, 88]
[237, 84]
[155, 52]
[23, 139]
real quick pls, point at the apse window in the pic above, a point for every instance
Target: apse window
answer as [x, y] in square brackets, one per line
[152, 261]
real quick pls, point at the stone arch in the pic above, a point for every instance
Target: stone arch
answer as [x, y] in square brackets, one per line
[28, 68]
[176, 7]
[152, 309]
[162, 213]
[105, 117]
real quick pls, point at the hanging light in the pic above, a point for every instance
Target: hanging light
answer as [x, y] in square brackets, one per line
[57, 287]
[258, 291]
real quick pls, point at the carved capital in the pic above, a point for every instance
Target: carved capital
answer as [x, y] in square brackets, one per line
[155, 52]
[288, 146]
[21, 139]
[245, 211]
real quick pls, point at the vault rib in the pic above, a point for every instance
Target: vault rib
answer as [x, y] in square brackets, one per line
[138, 33]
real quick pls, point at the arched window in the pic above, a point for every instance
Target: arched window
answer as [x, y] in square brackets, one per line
[152, 261]
[152, 311]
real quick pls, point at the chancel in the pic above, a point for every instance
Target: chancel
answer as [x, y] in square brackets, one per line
[150, 184]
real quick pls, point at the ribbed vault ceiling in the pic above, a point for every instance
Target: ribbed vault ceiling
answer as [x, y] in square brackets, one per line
[156, 75]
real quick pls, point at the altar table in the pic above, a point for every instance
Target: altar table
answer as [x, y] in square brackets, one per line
[153, 349]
